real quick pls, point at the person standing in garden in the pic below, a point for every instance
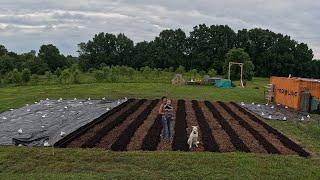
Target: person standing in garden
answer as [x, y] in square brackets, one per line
[166, 112]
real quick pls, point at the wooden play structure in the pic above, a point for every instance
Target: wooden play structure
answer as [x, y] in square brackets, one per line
[241, 71]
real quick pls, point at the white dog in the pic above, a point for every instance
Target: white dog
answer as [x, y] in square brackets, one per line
[193, 138]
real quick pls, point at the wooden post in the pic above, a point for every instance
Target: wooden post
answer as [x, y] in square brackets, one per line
[229, 70]
[241, 81]
[241, 67]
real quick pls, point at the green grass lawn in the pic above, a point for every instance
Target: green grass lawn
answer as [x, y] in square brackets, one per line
[14, 97]
[40, 163]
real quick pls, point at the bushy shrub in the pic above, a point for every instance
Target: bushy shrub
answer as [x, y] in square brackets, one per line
[248, 70]
[48, 75]
[2, 80]
[58, 72]
[115, 74]
[106, 74]
[157, 72]
[193, 73]
[103, 65]
[74, 67]
[99, 75]
[202, 73]
[146, 71]
[76, 76]
[65, 77]
[25, 75]
[180, 70]
[91, 70]
[212, 72]
[14, 77]
[34, 79]
[126, 71]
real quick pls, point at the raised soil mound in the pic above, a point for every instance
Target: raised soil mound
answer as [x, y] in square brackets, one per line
[223, 127]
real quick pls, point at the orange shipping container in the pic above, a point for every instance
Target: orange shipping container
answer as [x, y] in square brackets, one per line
[287, 91]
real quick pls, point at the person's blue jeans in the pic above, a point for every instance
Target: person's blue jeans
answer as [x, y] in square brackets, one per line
[166, 127]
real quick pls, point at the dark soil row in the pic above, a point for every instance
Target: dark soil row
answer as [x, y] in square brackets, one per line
[105, 130]
[180, 136]
[248, 139]
[209, 143]
[152, 139]
[285, 140]
[219, 134]
[261, 139]
[269, 136]
[112, 136]
[234, 137]
[191, 120]
[84, 129]
[125, 137]
[141, 133]
[223, 127]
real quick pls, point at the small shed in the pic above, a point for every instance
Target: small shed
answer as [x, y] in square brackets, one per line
[296, 93]
[210, 80]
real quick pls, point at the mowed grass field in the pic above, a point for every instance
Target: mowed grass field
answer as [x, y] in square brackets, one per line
[48, 163]
[15, 97]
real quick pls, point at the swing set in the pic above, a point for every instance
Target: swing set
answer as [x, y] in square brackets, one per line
[241, 72]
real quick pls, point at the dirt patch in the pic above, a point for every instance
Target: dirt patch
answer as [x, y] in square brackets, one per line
[126, 135]
[108, 127]
[209, 142]
[285, 140]
[270, 148]
[270, 137]
[223, 127]
[192, 121]
[111, 137]
[140, 134]
[180, 136]
[91, 132]
[234, 137]
[221, 137]
[246, 136]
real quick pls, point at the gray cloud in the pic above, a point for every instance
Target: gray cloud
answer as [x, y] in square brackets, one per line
[26, 24]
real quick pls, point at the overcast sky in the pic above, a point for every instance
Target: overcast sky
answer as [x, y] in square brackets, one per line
[27, 24]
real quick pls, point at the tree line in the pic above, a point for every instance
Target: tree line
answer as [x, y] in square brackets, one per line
[204, 48]
[48, 59]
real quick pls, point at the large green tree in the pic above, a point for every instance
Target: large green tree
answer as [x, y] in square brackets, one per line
[208, 46]
[169, 49]
[124, 50]
[35, 64]
[106, 49]
[274, 54]
[3, 50]
[7, 64]
[240, 56]
[142, 55]
[50, 54]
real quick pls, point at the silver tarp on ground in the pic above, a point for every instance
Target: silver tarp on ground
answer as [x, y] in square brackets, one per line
[46, 122]
[275, 112]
